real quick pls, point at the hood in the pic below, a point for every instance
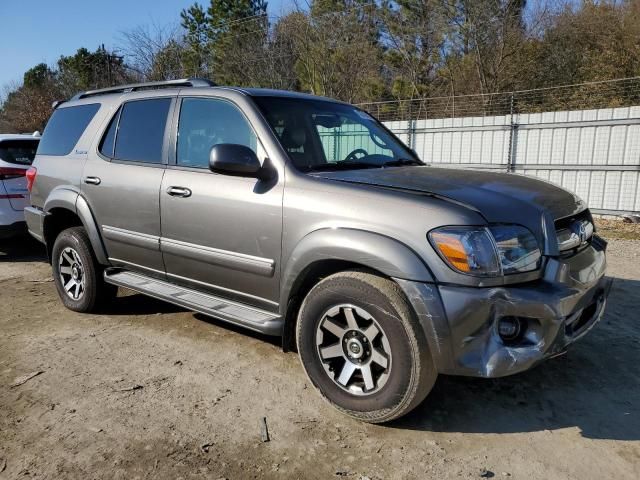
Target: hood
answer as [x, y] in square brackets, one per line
[498, 197]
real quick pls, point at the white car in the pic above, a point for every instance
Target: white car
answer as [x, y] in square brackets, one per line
[16, 154]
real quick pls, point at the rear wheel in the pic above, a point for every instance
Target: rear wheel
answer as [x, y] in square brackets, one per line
[77, 274]
[362, 348]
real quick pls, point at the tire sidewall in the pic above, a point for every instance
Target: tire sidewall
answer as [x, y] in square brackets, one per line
[351, 291]
[76, 239]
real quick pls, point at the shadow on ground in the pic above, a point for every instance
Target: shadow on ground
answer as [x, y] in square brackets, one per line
[23, 248]
[595, 387]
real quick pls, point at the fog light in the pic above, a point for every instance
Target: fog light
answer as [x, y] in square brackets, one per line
[509, 328]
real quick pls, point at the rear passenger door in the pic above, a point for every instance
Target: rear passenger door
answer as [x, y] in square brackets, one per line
[121, 182]
[223, 235]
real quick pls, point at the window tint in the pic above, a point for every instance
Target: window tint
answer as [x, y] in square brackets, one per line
[141, 130]
[206, 122]
[324, 135]
[20, 152]
[65, 128]
[109, 140]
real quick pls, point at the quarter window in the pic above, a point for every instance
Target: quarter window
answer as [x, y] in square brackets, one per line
[65, 127]
[108, 143]
[139, 133]
[205, 122]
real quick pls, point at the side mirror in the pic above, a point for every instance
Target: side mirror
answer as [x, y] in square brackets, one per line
[232, 159]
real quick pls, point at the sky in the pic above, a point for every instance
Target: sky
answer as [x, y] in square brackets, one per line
[48, 29]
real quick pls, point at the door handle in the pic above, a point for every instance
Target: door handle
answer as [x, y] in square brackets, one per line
[92, 180]
[179, 192]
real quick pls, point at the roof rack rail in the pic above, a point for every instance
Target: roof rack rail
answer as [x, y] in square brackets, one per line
[183, 82]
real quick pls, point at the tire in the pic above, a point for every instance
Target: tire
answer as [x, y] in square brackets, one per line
[402, 371]
[71, 255]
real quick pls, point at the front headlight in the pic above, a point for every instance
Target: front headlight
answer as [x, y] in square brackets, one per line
[517, 248]
[487, 252]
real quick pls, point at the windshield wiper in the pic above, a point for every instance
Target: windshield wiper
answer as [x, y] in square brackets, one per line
[342, 165]
[400, 162]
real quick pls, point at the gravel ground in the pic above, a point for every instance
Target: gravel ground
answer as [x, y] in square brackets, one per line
[147, 390]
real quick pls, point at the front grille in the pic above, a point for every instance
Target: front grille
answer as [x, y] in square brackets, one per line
[574, 233]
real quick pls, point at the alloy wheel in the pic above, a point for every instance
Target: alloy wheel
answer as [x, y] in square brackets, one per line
[354, 349]
[71, 272]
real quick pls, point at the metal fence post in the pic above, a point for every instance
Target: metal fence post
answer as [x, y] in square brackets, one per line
[513, 138]
[411, 132]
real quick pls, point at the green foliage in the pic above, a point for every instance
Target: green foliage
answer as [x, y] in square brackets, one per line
[28, 107]
[38, 76]
[212, 35]
[364, 50]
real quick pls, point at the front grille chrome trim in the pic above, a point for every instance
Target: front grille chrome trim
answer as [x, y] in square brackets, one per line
[578, 234]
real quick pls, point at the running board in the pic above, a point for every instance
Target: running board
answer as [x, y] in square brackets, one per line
[249, 317]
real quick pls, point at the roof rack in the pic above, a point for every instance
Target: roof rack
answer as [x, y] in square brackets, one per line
[183, 82]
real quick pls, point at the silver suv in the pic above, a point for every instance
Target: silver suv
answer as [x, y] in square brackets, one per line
[304, 217]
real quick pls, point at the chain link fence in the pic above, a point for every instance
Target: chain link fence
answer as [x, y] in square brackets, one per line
[583, 137]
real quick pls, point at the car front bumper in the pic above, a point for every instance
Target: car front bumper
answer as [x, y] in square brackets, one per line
[461, 323]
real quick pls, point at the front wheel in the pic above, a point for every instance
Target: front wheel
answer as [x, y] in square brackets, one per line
[77, 274]
[362, 347]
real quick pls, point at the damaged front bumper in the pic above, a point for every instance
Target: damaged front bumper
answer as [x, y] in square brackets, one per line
[461, 323]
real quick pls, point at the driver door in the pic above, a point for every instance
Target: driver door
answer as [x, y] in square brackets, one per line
[220, 233]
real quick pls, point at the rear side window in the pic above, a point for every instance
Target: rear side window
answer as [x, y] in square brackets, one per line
[139, 131]
[64, 129]
[20, 152]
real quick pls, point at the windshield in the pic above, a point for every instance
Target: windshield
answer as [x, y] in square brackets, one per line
[322, 135]
[21, 152]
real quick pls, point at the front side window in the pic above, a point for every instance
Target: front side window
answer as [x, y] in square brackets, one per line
[205, 122]
[65, 127]
[19, 152]
[138, 134]
[324, 135]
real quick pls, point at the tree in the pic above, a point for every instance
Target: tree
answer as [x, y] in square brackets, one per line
[414, 37]
[217, 36]
[156, 52]
[338, 53]
[39, 76]
[87, 70]
[28, 106]
[485, 37]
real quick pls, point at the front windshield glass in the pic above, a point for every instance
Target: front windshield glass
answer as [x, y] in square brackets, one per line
[323, 135]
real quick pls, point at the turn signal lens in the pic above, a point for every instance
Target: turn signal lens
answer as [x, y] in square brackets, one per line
[453, 250]
[468, 250]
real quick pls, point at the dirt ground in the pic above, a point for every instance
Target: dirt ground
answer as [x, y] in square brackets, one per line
[147, 390]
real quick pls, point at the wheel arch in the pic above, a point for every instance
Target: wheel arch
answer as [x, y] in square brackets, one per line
[328, 251]
[67, 208]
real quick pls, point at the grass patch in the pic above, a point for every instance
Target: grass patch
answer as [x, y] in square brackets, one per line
[617, 229]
